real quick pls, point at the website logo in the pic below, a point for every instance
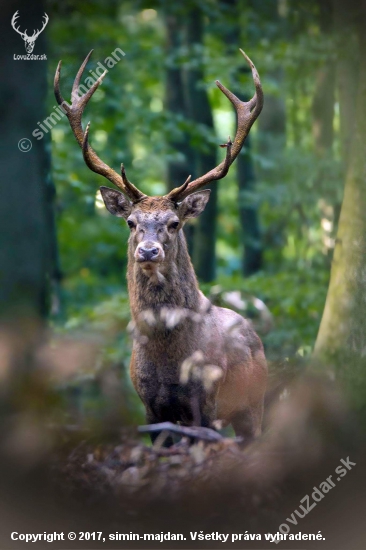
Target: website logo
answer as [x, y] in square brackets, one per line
[29, 41]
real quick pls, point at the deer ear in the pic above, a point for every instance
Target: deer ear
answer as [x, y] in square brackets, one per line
[116, 203]
[194, 204]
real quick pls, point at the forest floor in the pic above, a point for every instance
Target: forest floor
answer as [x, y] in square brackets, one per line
[305, 437]
[92, 482]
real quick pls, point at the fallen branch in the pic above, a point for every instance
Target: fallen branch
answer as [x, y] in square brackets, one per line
[196, 432]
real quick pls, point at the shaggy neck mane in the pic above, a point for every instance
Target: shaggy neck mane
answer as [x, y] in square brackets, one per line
[176, 288]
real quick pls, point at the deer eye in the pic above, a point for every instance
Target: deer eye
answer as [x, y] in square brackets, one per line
[174, 225]
[131, 224]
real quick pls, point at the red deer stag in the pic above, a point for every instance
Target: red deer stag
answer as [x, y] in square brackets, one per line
[181, 340]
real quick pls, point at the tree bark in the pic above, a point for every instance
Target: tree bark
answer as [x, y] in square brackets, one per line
[348, 59]
[342, 333]
[347, 74]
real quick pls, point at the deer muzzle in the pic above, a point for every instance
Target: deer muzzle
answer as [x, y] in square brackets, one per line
[149, 252]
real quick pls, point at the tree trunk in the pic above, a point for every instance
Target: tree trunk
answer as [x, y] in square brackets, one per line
[199, 111]
[248, 213]
[248, 209]
[271, 129]
[342, 333]
[347, 69]
[185, 97]
[24, 250]
[175, 103]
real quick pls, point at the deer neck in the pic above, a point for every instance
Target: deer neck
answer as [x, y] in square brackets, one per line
[174, 286]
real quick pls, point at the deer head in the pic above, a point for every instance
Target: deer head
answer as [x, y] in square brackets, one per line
[155, 221]
[28, 40]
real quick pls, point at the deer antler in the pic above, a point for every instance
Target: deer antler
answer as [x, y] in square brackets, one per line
[74, 113]
[247, 113]
[13, 21]
[37, 32]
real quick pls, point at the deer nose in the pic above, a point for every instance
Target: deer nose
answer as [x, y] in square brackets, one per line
[148, 254]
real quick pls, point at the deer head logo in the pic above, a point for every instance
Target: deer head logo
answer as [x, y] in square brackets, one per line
[28, 40]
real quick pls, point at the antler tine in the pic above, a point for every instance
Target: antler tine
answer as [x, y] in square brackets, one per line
[74, 113]
[247, 113]
[132, 189]
[258, 98]
[79, 74]
[175, 193]
[56, 88]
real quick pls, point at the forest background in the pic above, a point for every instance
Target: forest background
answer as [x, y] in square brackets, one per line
[283, 238]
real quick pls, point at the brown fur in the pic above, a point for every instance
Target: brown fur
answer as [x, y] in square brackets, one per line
[192, 362]
[158, 352]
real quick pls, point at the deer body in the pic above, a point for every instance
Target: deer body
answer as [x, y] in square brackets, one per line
[238, 399]
[192, 362]
[157, 358]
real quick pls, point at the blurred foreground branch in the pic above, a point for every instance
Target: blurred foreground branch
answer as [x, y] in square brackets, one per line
[197, 432]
